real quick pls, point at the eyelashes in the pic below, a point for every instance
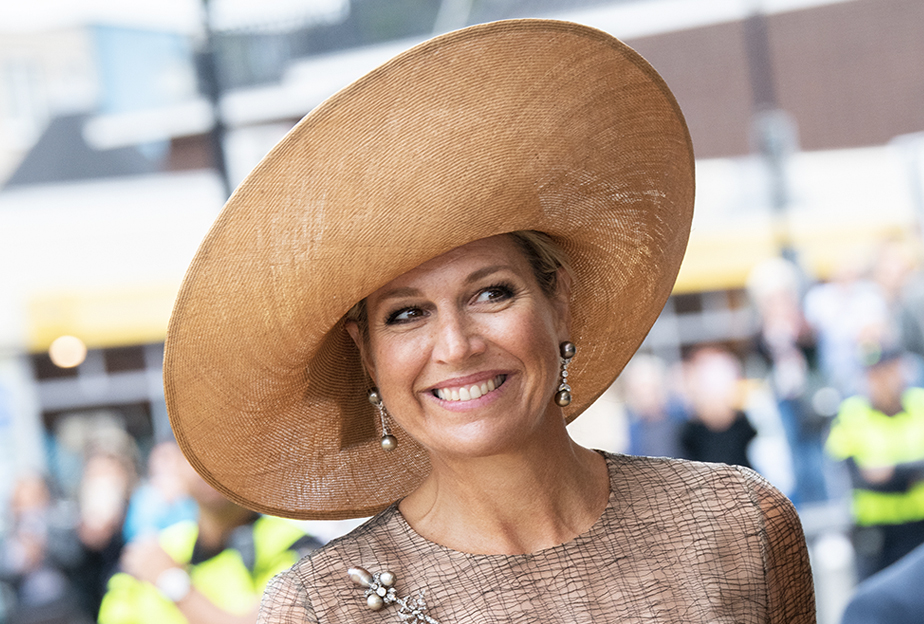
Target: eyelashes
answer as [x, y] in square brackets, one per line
[403, 315]
[498, 292]
[495, 293]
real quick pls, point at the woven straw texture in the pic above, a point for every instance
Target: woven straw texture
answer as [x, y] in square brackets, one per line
[518, 125]
[678, 542]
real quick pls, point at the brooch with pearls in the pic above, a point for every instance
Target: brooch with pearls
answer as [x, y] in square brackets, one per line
[380, 592]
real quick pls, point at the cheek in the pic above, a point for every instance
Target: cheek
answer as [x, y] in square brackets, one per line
[535, 337]
[548, 323]
[396, 359]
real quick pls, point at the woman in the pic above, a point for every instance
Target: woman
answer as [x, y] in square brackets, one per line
[383, 320]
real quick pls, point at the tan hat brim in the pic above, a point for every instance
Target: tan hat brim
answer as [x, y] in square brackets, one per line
[516, 125]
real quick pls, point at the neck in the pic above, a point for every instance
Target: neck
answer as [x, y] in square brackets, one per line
[888, 405]
[541, 495]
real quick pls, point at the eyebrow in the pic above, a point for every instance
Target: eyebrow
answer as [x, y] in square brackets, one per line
[407, 291]
[397, 293]
[484, 272]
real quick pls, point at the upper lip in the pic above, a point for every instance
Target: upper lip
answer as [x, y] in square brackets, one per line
[466, 380]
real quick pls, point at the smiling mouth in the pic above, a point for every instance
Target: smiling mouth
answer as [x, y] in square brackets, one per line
[468, 393]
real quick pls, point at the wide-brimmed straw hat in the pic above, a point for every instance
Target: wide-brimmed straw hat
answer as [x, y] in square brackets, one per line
[515, 125]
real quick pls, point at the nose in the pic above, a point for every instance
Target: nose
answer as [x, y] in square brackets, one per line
[456, 338]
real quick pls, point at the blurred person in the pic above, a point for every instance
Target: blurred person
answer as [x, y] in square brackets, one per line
[913, 313]
[162, 500]
[846, 314]
[655, 418]
[203, 571]
[902, 287]
[892, 595]
[786, 343]
[108, 478]
[38, 556]
[718, 430]
[880, 435]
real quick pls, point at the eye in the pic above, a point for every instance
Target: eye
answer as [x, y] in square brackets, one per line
[404, 315]
[491, 294]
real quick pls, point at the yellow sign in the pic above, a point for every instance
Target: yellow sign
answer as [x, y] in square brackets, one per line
[101, 318]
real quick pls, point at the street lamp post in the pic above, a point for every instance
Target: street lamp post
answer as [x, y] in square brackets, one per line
[774, 130]
[209, 83]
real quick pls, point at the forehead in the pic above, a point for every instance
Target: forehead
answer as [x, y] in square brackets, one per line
[497, 251]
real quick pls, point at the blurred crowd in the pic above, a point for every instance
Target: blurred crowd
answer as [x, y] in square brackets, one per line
[101, 554]
[59, 551]
[826, 402]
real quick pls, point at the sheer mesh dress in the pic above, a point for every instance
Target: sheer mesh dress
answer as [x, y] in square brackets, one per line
[678, 542]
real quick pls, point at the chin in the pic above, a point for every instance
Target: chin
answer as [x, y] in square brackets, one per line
[479, 440]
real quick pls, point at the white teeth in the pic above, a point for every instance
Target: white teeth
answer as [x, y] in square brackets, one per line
[474, 391]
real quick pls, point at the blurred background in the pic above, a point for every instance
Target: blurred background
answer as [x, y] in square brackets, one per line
[124, 125]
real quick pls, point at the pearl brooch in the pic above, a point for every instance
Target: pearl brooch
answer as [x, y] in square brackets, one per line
[380, 592]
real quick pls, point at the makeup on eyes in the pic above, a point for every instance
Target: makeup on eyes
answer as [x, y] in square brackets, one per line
[505, 290]
[392, 318]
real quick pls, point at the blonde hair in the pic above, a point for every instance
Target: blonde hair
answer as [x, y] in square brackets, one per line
[544, 255]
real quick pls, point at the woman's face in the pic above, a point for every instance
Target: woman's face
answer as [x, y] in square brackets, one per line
[464, 349]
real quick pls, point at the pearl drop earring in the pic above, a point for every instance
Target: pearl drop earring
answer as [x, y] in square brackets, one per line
[566, 351]
[388, 441]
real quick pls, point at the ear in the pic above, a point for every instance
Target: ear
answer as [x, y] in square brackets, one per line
[356, 334]
[562, 303]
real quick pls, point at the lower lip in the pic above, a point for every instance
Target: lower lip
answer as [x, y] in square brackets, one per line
[461, 406]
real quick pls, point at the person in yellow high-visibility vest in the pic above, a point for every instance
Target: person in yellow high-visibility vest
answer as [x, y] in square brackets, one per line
[881, 436]
[209, 571]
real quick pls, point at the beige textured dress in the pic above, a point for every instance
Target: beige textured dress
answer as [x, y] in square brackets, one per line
[678, 542]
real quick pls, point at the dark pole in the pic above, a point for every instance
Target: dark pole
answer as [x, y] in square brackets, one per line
[774, 131]
[209, 84]
[760, 63]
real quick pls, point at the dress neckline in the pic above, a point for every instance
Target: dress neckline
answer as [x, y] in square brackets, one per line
[591, 533]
